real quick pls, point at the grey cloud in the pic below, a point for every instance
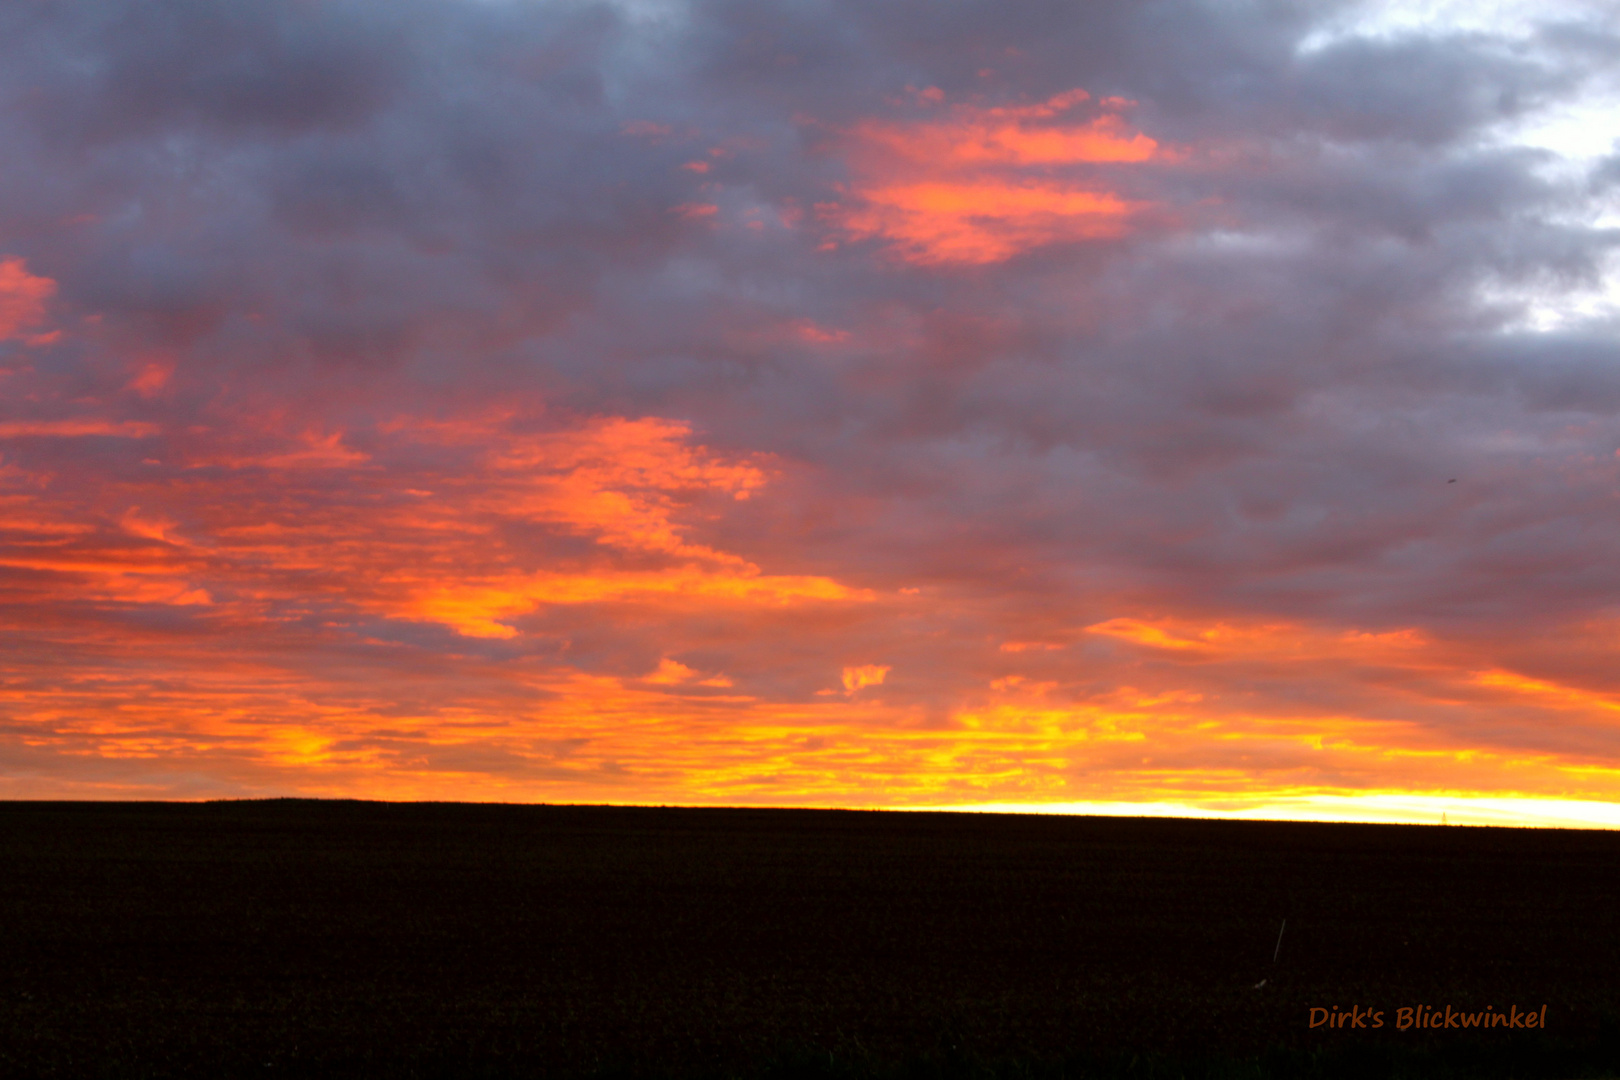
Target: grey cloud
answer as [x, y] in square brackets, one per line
[454, 162]
[108, 72]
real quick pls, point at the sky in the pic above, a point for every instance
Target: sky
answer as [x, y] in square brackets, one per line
[1179, 406]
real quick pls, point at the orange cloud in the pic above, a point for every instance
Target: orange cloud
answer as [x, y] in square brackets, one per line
[670, 672]
[981, 185]
[247, 611]
[477, 610]
[257, 519]
[1549, 693]
[1280, 640]
[667, 735]
[982, 222]
[1038, 134]
[865, 675]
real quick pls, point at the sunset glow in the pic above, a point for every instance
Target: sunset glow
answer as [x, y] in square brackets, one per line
[984, 184]
[549, 403]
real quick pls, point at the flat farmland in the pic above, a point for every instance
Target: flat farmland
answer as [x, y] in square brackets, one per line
[305, 938]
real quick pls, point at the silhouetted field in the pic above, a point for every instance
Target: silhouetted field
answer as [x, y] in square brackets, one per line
[293, 938]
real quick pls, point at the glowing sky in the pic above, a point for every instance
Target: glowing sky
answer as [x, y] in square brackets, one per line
[1202, 406]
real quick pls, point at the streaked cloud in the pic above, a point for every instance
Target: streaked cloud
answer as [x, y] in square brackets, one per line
[984, 183]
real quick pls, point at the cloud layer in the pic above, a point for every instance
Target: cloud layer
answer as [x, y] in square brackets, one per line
[825, 402]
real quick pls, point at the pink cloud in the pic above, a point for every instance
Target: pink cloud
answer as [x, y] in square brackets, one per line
[23, 297]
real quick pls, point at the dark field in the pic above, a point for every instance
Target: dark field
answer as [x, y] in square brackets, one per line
[293, 938]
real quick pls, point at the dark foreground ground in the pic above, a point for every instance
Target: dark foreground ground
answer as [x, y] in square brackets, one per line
[293, 938]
